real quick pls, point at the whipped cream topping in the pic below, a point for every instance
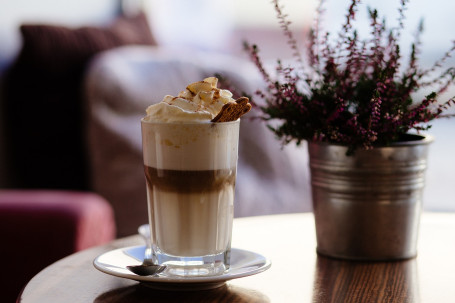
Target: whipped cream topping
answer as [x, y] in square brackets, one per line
[200, 102]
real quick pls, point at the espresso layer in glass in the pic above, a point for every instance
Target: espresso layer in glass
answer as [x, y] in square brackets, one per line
[191, 211]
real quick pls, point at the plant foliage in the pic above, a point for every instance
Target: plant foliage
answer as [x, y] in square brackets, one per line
[352, 91]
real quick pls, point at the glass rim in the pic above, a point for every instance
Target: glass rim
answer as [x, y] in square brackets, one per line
[143, 121]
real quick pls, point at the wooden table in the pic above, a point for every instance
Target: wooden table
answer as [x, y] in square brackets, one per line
[297, 273]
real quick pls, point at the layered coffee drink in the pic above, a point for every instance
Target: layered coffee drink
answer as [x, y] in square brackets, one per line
[181, 199]
[190, 164]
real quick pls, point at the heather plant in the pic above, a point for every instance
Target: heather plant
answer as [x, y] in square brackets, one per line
[351, 90]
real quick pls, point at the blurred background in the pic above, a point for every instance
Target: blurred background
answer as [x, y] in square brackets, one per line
[220, 27]
[76, 76]
[224, 24]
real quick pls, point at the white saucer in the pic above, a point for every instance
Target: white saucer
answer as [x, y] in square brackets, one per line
[243, 263]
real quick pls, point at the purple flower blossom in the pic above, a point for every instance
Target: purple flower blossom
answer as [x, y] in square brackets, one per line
[356, 92]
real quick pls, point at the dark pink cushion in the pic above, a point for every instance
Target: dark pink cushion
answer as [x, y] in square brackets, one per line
[39, 227]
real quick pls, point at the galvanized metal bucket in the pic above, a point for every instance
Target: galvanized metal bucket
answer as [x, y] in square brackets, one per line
[367, 206]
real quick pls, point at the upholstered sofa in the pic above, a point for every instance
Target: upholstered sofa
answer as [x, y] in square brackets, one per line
[39, 227]
[47, 208]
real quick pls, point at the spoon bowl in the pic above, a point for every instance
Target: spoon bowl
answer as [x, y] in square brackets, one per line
[146, 269]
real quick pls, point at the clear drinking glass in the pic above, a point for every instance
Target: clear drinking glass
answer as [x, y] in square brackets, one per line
[190, 170]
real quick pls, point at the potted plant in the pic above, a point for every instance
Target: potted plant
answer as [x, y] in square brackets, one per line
[353, 100]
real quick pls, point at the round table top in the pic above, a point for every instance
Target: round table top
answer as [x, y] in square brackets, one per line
[297, 274]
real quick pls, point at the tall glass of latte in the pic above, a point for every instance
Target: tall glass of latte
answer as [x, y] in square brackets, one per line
[190, 165]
